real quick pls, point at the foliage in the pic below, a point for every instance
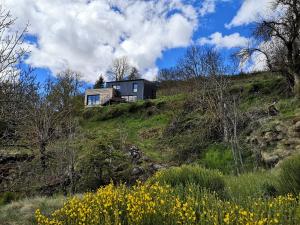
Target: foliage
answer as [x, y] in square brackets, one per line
[22, 212]
[99, 83]
[8, 197]
[251, 185]
[219, 157]
[188, 174]
[290, 175]
[159, 204]
[102, 161]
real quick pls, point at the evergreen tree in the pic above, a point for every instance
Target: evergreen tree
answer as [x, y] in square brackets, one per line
[99, 83]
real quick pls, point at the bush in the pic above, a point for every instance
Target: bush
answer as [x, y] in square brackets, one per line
[158, 204]
[253, 185]
[8, 197]
[290, 175]
[218, 157]
[207, 179]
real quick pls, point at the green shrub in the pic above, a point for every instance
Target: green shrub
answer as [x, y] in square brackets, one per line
[218, 157]
[290, 175]
[253, 185]
[192, 174]
[8, 197]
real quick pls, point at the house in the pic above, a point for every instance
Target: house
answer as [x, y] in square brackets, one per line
[120, 91]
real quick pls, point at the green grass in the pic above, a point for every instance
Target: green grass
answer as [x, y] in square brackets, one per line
[140, 123]
[252, 185]
[22, 212]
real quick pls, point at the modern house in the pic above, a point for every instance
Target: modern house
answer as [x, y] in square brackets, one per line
[120, 91]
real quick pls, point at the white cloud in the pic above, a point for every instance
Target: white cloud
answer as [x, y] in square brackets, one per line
[86, 35]
[251, 11]
[228, 41]
[209, 6]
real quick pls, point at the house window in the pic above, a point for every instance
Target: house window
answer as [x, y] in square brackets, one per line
[116, 87]
[135, 87]
[93, 99]
[132, 98]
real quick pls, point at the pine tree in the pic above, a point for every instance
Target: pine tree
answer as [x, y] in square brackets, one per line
[99, 83]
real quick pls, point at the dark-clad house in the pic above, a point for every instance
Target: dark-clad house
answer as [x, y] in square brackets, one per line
[133, 90]
[121, 91]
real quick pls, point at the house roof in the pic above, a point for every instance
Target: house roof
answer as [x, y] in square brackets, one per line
[129, 81]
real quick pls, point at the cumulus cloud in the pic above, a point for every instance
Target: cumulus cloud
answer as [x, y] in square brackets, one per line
[209, 6]
[227, 41]
[86, 35]
[251, 11]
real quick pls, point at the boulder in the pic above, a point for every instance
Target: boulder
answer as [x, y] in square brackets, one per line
[137, 171]
[272, 110]
[270, 160]
[297, 126]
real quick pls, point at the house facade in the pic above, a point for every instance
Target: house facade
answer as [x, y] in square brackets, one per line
[98, 97]
[121, 91]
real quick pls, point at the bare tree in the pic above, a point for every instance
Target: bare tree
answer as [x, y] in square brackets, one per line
[50, 115]
[16, 86]
[134, 74]
[281, 42]
[212, 95]
[120, 68]
[192, 64]
[11, 50]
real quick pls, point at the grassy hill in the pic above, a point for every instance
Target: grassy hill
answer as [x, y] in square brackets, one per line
[146, 123]
[173, 130]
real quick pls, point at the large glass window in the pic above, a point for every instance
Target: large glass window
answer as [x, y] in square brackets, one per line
[135, 87]
[117, 87]
[93, 99]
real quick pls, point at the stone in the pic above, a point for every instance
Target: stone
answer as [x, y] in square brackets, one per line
[155, 167]
[137, 171]
[272, 110]
[297, 126]
[270, 160]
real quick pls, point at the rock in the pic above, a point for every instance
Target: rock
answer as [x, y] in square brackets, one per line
[272, 111]
[297, 126]
[280, 128]
[135, 154]
[153, 167]
[270, 161]
[145, 158]
[137, 171]
[279, 136]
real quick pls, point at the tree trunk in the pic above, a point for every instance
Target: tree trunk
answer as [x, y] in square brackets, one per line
[43, 155]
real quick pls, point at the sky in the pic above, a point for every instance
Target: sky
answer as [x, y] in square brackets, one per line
[87, 35]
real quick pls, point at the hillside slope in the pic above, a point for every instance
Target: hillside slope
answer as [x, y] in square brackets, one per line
[168, 129]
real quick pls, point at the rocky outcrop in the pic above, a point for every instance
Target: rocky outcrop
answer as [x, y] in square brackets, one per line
[142, 166]
[276, 140]
[9, 163]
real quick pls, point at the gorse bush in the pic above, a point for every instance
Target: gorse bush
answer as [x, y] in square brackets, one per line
[142, 204]
[290, 175]
[188, 174]
[159, 204]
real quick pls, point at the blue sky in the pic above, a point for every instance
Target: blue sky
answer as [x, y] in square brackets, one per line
[214, 22]
[87, 35]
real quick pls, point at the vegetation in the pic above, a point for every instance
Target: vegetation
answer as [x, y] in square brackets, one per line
[156, 203]
[289, 175]
[213, 148]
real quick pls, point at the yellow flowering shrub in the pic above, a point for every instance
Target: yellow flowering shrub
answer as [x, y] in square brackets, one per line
[141, 204]
[159, 204]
